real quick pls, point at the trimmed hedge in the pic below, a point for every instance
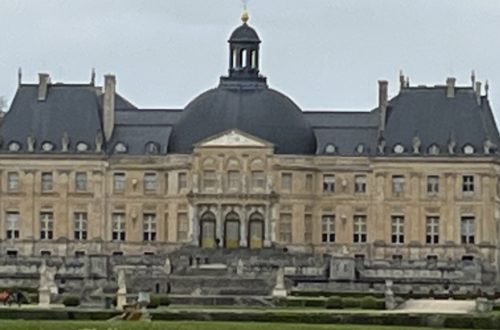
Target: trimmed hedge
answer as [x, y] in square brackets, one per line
[334, 303]
[71, 301]
[472, 321]
[369, 303]
[351, 303]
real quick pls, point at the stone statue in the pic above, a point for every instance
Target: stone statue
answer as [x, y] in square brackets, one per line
[390, 300]
[488, 147]
[47, 285]
[240, 268]
[417, 143]
[168, 266]
[121, 294]
[381, 145]
[451, 145]
[65, 142]
[31, 143]
[99, 139]
[280, 289]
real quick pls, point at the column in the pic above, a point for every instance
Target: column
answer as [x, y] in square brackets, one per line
[243, 227]
[219, 225]
[194, 229]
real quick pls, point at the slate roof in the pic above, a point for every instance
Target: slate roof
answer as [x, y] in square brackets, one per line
[244, 33]
[428, 113]
[68, 108]
[423, 111]
[345, 130]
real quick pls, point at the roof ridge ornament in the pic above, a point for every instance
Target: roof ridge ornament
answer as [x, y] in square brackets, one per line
[245, 17]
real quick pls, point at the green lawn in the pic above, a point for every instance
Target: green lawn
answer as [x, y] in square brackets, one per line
[92, 325]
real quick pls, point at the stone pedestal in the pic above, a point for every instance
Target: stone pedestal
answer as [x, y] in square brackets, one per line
[390, 300]
[280, 289]
[121, 299]
[44, 297]
[483, 305]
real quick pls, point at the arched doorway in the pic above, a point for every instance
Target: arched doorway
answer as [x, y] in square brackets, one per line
[256, 231]
[207, 230]
[232, 231]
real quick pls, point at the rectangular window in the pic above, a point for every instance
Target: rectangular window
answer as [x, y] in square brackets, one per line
[467, 229]
[308, 226]
[360, 184]
[468, 184]
[119, 182]
[181, 182]
[286, 181]
[397, 229]
[258, 180]
[81, 181]
[432, 185]
[285, 228]
[46, 225]
[150, 182]
[118, 222]
[432, 230]
[47, 181]
[309, 183]
[12, 181]
[329, 183]
[209, 180]
[80, 223]
[398, 185]
[182, 226]
[328, 228]
[359, 230]
[12, 225]
[233, 180]
[149, 224]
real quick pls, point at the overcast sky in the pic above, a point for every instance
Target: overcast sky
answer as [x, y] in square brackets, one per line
[324, 54]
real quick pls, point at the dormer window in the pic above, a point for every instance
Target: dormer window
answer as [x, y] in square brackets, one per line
[82, 147]
[360, 148]
[152, 148]
[120, 148]
[14, 146]
[47, 146]
[468, 149]
[330, 149]
[434, 150]
[399, 148]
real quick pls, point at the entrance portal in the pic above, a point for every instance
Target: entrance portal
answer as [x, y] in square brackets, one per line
[207, 230]
[256, 231]
[232, 231]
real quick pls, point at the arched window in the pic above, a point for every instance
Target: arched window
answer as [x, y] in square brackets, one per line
[152, 148]
[330, 149]
[256, 231]
[235, 59]
[254, 59]
[468, 149]
[434, 150]
[244, 58]
[399, 148]
[82, 146]
[14, 146]
[47, 146]
[120, 148]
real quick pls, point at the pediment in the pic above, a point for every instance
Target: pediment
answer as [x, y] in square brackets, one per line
[234, 138]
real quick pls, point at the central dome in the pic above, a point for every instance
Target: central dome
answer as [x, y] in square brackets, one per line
[243, 101]
[261, 112]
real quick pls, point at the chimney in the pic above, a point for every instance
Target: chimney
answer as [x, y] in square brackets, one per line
[43, 86]
[382, 102]
[401, 80]
[450, 87]
[478, 92]
[108, 106]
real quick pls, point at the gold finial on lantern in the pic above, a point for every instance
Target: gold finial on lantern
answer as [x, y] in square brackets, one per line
[245, 17]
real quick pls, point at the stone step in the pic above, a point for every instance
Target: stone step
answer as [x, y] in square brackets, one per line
[438, 306]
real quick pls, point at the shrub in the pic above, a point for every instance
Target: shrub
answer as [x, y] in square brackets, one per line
[164, 300]
[71, 301]
[351, 303]
[154, 301]
[369, 303]
[334, 302]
